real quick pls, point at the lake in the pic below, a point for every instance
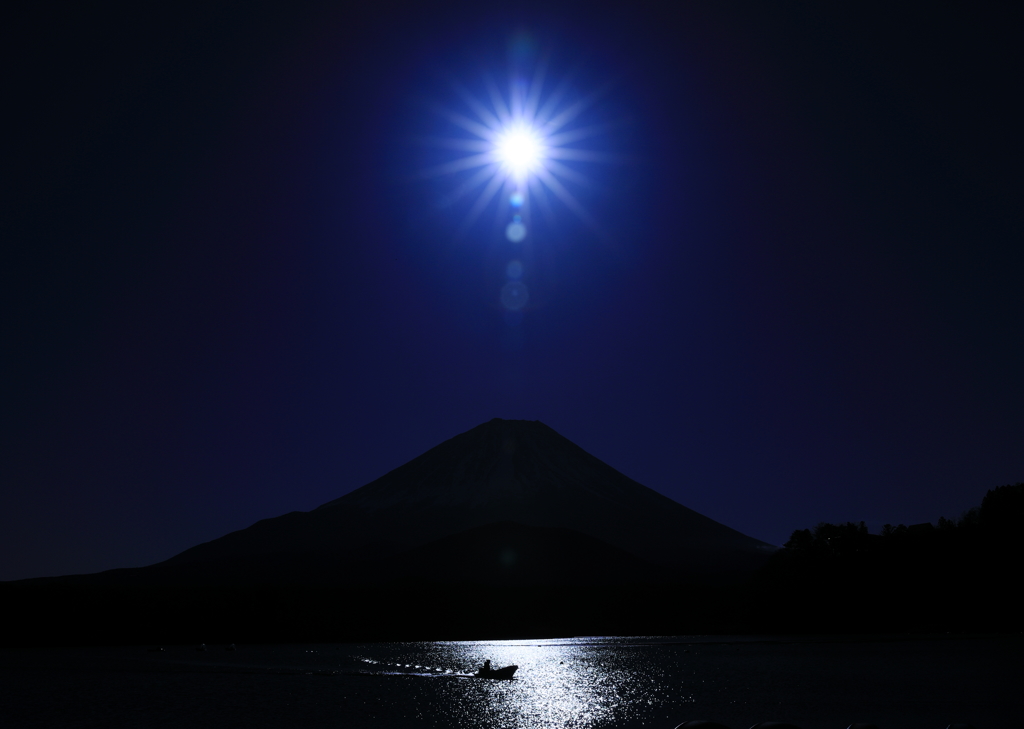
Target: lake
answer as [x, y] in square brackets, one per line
[583, 683]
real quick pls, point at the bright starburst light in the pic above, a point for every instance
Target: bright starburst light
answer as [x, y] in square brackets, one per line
[521, 144]
[520, 152]
[520, 148]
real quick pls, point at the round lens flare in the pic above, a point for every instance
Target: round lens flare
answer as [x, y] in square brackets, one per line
[514, 295]
[520, 151]
[515, 231]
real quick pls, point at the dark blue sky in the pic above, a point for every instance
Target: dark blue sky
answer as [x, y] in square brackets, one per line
[229, 292]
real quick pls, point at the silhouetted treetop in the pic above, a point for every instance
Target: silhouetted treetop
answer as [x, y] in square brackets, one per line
[1002, 509]
[831, 539]
[956, 575]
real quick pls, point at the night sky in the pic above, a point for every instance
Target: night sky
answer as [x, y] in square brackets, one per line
[788, 290]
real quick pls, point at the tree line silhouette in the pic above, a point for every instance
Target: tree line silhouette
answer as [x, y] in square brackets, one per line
[957, 575]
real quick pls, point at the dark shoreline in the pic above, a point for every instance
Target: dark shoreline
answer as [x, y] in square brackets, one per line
[839, 579]
[52, 615]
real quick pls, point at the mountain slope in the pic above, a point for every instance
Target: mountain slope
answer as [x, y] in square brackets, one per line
[500, 471]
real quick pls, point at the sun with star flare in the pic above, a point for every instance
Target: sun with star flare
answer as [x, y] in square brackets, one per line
[521, 144]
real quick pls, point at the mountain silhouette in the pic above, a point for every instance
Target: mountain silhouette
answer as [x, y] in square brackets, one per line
[507, 530]
[516, 473]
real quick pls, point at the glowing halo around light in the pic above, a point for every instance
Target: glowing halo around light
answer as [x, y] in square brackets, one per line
[521, 144]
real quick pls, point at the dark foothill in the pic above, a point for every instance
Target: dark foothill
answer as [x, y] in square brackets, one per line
[860, 725]
[774, 725]
[701, 724]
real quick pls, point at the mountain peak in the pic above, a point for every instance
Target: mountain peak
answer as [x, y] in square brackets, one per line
[500, 471]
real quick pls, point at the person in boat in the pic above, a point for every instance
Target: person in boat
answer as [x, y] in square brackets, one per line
[486, 668]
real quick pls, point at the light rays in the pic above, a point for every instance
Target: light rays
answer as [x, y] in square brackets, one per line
[521, 143]
[530, 145]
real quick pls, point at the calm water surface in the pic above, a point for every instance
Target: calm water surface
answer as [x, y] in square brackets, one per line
[579, 683]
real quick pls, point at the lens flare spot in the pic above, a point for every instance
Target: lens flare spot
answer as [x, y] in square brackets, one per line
[515, 231]
[514, 295]
[516, 199]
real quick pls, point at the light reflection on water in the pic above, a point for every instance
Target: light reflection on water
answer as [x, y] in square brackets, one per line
[579, 683]
[583, 683]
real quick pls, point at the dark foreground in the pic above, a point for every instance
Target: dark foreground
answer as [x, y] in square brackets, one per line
[588, 683]
[837, 579]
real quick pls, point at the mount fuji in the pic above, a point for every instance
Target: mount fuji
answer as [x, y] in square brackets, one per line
[507, 530]
[506, 481]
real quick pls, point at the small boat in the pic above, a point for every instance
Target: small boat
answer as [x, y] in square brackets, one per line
[496, 673]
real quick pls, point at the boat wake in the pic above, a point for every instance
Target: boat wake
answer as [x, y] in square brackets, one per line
[408, 669]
